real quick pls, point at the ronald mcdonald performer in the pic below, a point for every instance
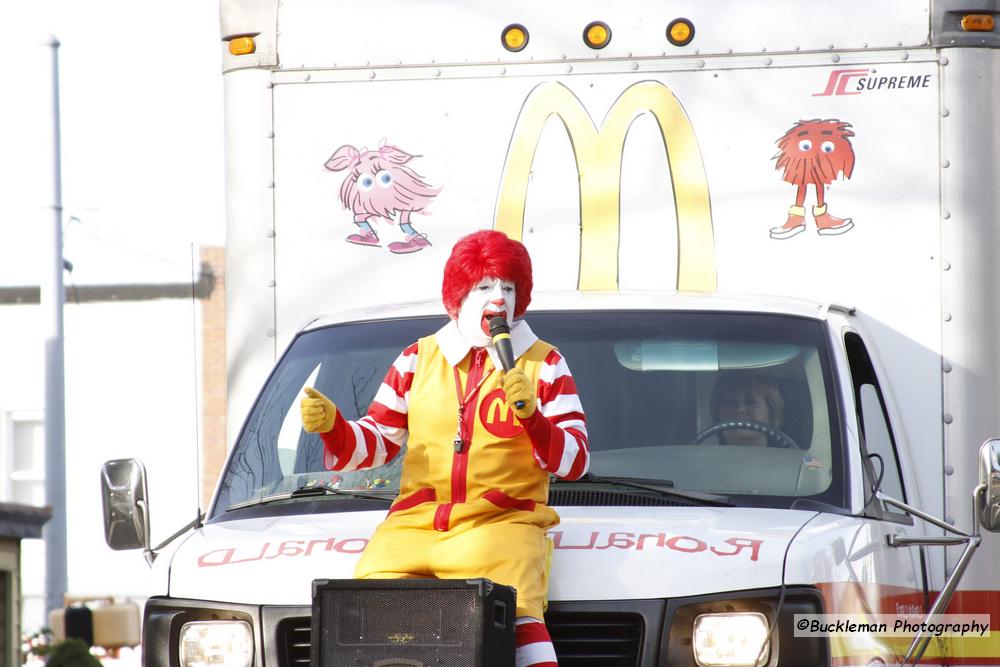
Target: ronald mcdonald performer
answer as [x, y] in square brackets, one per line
[481, 443]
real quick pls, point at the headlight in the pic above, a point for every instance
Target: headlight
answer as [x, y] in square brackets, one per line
[731, 640]
[216, 643]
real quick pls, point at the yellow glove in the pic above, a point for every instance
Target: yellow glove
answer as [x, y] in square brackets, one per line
[318, 412]
[518, 389]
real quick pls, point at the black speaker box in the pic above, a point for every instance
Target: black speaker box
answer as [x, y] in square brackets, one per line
[412, 623]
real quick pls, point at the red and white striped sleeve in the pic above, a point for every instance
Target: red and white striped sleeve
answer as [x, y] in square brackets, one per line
[558, 428]
[376, 438]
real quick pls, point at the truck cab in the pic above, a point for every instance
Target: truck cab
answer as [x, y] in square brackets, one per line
[694, 506]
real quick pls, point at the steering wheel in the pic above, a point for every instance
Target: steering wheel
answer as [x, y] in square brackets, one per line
[777, 436]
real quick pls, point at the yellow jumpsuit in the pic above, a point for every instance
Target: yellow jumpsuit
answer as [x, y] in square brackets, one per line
[474, 510]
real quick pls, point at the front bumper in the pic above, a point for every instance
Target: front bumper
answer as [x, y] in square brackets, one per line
[616, 633]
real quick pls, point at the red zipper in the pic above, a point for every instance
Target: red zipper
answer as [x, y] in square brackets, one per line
[460, 459]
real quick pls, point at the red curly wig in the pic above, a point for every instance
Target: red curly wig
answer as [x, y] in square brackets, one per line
[481, 254]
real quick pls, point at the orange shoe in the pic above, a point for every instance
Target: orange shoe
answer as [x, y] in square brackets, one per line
[828, 225]
[795, 224]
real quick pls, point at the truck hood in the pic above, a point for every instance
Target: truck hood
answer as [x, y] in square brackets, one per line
[600, 553]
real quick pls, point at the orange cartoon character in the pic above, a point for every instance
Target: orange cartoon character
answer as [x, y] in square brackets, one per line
[814, 152]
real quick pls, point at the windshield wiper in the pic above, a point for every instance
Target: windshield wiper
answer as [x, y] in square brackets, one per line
[661, 486]
[319, 490]
[307, 491]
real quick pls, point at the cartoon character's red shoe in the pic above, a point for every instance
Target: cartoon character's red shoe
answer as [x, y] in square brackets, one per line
[413, 243]
[364, 238]
[795, 224]
[828, 225]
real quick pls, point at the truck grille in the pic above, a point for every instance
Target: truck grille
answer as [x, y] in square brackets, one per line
[595, 639]
[587, 639]
[294, 636]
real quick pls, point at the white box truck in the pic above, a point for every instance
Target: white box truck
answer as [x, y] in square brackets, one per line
[801, 193]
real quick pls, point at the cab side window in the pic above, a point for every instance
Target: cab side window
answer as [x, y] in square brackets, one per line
[875, 428]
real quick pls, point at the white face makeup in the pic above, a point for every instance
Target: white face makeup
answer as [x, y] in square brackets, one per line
[487, 299]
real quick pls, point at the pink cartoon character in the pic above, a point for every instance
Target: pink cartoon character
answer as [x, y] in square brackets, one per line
[814, 152]
[380, 185]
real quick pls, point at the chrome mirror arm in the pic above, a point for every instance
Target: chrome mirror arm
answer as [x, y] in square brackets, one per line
[971, 542]
[147, 551]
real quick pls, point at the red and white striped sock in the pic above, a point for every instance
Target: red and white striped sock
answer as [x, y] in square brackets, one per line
[533, 644]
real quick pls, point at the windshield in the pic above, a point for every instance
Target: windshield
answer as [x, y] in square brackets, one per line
[724, 403]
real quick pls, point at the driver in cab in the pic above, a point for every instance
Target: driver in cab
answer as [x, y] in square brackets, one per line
[751, 398]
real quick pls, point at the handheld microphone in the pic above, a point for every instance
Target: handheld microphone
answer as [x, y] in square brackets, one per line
[500, 333]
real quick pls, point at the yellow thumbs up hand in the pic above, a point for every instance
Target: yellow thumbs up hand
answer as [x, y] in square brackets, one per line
[318, 412]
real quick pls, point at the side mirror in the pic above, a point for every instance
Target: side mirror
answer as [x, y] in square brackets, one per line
[126, 512]
[989, 476]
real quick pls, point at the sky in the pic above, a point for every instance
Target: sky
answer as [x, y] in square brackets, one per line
[141, 133]
[140, 88]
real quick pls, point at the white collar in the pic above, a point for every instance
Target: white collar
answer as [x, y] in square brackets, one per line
[454, 347]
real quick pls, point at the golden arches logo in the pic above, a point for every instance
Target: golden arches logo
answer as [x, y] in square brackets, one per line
[497, 417]
[598, 154]
[498, 412]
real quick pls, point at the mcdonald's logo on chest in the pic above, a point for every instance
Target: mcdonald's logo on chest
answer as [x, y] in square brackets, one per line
[497, 417]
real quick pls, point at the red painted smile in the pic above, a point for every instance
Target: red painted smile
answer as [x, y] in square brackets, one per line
[489, 315]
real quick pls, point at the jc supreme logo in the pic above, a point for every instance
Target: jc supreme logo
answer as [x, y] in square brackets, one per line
[497, 417]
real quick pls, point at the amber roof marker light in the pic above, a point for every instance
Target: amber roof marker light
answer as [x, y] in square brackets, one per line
[241, 46]
[680, 32]
[514, 37]
[597, 34]
[978, 22]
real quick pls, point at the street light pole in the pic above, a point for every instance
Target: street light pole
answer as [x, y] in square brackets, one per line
[52, 297]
